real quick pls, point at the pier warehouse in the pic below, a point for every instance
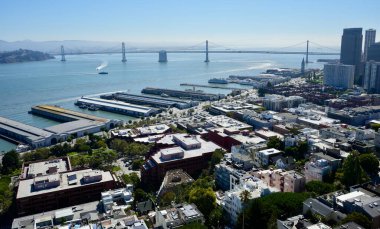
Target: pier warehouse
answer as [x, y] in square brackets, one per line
[118, 107]
[153, 101]
[19, 132]
[194, 95]
[74, 124]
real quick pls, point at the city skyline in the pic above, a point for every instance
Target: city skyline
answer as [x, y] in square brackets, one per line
[235, 24]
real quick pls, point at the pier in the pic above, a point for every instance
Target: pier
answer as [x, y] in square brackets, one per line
[211, 86]
[74, 124]
[193, 95]
[17, 132]
[154, 101]
[118, 107]
[63, 115]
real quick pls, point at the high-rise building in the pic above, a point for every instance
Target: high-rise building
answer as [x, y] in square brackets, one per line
[374, 52]
[339, 75]
[351, 49]
[372, 77]
[370, 36]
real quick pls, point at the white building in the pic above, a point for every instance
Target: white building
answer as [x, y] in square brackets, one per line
[285, 181]
[177, 216]
[244, 154]
[339, 75]
[109, 198]
[279, 102]
[316, 170]
[232, 202]
[262, 157]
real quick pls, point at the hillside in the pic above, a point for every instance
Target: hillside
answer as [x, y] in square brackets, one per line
[23, 55]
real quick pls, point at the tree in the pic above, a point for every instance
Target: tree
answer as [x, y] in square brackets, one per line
[167, 198]
[244, 196]
[263, 212]
[136, 164]
[358, 218]
[353, 173]
[275, 142]
[375, 126]
[216, 217]
[319, 187]
[38, 154]
[131, 178]
[303, 148]
[369, 163]
[10, 162]
[140, 195]
[261, 92]
[216, 157]
[118, 145]
[204, 199]
[193, 225]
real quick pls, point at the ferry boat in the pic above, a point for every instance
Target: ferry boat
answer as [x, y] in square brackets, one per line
[93, 108]
[218, 81]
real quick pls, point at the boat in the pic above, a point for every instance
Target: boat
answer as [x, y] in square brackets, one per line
[102, 73]
[22, 148]
[93, 108]
[218, 81]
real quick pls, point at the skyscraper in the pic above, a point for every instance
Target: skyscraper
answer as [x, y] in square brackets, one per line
[374, 52]
[351, 49]
[370, 36]
[372, 77]
[338, 75]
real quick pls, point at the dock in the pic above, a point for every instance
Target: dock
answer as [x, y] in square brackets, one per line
[118, 107]
[17, 132]
[211, 86]
[192, 95]
[63, 115]
[153, 101]
[74, 124]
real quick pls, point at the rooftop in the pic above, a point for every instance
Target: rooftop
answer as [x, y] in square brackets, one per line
[206, 147]
[269, 152]
[46, 167]
[73, 127]
[116, 104]
[65, 181]
[30, 132]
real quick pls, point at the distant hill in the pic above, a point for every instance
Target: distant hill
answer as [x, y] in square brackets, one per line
[23, 55]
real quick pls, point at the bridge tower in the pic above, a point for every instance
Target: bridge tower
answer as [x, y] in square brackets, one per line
[63, 53]
[162, 56]
[207, 60]
[307, 51]
[123, 52]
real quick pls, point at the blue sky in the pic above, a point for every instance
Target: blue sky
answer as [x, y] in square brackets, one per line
[239, 23]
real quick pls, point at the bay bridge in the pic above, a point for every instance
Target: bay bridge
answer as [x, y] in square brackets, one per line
[202, 47]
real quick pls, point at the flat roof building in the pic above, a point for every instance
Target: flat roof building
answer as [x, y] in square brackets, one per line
[118, 107]
[351, 49]
[190, 153]
[53, 191]
[47, 167]
[339, 75]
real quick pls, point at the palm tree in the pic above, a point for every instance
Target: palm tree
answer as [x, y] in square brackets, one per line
[244, 196]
